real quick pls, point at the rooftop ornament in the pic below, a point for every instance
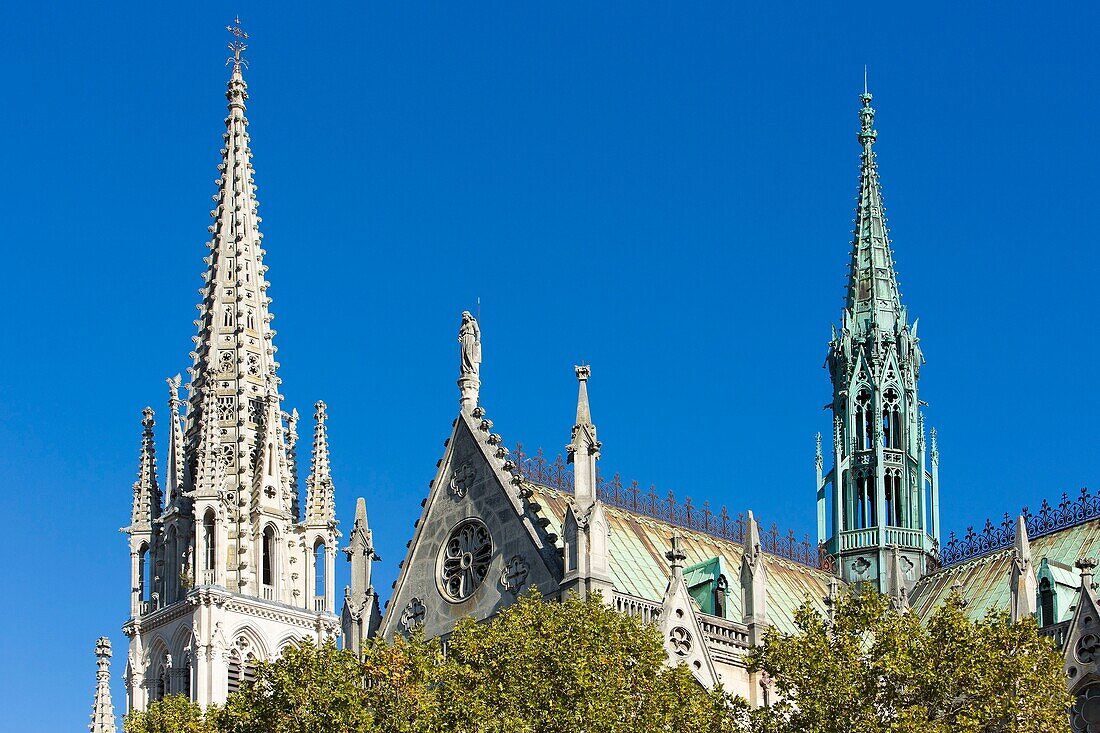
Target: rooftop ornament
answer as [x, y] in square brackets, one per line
[556, 475]
[1068, 513]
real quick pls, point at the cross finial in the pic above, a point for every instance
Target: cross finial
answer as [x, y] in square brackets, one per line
[237, 45]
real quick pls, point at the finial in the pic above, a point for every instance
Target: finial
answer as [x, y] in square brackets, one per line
[865, 78]
[174, 392]
[237, 45]
[676, 555]
[320, 415]
[583, 371]
[867, 134]
[1087, 566]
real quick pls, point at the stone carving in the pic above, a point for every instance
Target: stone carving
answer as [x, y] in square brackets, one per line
[462, 479]
[514, 575]
[680, 641]
[464, 560]
[469, 335]
[1087, 649]
[412, 616]
[861, 566]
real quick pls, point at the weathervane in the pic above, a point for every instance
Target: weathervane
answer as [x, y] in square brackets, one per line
[237, 45]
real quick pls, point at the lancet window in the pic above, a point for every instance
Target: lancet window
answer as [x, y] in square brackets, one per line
[209, 541]
[864, 420]
[1046, 603]
[891, 419]
[319, 569]
[268, 556]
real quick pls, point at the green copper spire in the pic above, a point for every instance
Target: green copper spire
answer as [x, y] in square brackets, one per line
[879, 517]
[872, 284]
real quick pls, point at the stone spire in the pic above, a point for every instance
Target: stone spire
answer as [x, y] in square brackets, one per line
[754, 582]
[584, 448]
[881, 489]
[175, 480]
[320, 492]
[361, 614]
[292, 460]
[1023, 584]
[147, 499]
[234, 363]
[585, 528]
[103, 712]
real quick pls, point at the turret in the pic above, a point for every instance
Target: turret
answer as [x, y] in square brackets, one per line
[880, 490]
[320, 519]
[103, 712]
[585, 528]
[144, 529]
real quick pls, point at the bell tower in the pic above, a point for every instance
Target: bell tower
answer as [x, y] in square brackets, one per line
[878, 499]
[225, 573]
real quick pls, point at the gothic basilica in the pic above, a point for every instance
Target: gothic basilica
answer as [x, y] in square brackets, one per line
[228, 567]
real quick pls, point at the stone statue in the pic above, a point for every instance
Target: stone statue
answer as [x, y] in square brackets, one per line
[469, 335]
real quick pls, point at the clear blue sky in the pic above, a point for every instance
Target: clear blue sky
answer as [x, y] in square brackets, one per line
[663, 190]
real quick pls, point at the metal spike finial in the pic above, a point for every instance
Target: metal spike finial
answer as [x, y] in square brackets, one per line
[237, 45]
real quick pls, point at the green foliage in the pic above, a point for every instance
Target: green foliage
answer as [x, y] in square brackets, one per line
[875, 670]
[310, 689]
[171, 714]
[570, 666]
[580, 666]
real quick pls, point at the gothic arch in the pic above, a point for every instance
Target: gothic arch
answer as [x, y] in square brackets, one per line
[288, 641]
[254, 642]
[182, 643]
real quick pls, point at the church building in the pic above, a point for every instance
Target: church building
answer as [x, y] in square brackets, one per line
[227, 569]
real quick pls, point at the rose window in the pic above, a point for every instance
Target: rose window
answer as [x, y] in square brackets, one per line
[464, 561]
[1085, 716]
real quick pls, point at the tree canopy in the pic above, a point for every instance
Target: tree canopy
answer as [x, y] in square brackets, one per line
[872, 669]
[580, 666]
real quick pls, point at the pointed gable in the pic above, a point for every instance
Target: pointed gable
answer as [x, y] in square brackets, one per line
[479, 542]
[683, 636]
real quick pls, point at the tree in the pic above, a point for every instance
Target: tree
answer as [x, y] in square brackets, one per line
[309, 689]
[873, 669]
[171, 714]
[570, 666]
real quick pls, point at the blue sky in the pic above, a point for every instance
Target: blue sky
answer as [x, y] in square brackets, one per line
[662, 190]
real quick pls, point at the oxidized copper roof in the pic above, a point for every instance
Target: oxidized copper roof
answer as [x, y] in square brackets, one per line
[638, 544]
[984, 580]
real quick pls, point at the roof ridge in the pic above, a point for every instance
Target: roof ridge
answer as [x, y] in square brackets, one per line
[720, 525]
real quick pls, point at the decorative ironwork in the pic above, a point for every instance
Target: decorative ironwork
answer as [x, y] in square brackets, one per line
[1068, 513]
[556, 474]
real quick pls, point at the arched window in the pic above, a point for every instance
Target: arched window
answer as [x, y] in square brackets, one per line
[209, 541]
[145, 570]
[319, 568]
[228, 317]
[185, 678]
[269, 556]
[894, 513]
[242, 668]
[1046, 603]
[891, 419]
[865, 505]
[864, 420]
[170, 570]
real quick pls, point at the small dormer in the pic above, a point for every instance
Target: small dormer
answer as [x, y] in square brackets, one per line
[1057, 592]
[708, 583]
